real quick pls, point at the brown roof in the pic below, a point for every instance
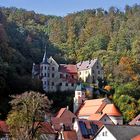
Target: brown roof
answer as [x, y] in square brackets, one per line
[70, 135]
[60, 112]
[46, 128]
[63, 116]
[135, 121]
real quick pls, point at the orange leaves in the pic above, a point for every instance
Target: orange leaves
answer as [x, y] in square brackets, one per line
[126, 66]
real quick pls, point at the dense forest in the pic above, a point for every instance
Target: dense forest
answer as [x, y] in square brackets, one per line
[113, 36]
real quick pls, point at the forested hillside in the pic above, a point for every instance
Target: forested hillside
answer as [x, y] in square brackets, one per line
[112, 36]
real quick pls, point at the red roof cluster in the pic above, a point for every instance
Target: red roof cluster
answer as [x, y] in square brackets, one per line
[70, 135]
[63, 117]
[72, 69]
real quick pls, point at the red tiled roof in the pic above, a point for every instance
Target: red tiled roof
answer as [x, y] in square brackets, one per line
[46, 128]
[98, 106]
[90, 107]
[96, 117]
[110, 109]
[136, 137]
[60, 112]
[72, 69]
[3, 127]
[70, 135]
[63, 116]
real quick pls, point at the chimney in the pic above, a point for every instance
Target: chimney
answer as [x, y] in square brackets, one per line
[67, 107]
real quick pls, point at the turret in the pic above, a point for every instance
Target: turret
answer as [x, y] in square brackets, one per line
[44, 68]
[79, 97]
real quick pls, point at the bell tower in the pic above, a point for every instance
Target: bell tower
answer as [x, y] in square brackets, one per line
[79, 97]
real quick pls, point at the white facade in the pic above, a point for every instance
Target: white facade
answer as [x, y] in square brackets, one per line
[104, 134]
[53, 79]
[77, 129]
[90, 71]
[117, 120]
[79, 97]
[106, 120]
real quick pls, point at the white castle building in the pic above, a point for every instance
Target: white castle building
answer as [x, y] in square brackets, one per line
[63, 77]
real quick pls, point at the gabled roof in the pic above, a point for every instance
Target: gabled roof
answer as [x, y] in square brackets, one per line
[97, 117]
[135, 121]
[86, 64]
[111, 110]
[60, 112]
[96, 106]
[72, 69]
[70, 135]
[122, 132]
[64, 117]
[90, 107]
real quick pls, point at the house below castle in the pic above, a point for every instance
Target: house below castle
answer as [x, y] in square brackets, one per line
[63, 77]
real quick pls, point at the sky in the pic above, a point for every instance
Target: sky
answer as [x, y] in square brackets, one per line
[64, 7]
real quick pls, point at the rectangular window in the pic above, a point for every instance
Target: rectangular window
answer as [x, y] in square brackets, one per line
[66, 84]
[60, 84]
[52, 75]
[52, 83]
[72, 76]
[48, 75]
[97, 66]
[45, 74]
[44, 82]
[98, 72]
[61, 75]
[52, 68]
[48, 83]
[45, 67]
[72, 84]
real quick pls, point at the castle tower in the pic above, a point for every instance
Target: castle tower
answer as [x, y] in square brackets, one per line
[44, 68]
[79, 97]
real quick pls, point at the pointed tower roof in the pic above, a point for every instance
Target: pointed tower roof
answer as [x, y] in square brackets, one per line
[80, 87]
[45, 59]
